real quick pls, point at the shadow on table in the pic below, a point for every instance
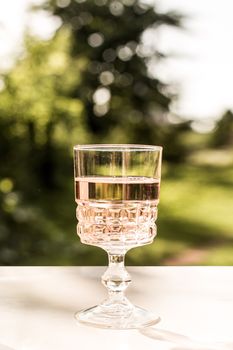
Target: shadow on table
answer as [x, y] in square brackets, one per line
[4, 347]
[183, 342]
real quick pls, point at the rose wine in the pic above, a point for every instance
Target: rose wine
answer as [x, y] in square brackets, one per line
[116, 211]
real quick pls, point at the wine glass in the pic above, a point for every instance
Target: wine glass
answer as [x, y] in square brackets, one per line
[117, 193]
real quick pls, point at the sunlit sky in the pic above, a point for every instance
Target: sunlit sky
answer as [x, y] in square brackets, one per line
[201, 61]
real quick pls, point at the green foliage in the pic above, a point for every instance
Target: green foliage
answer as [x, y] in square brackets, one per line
[37, 113]
[40, 85]
[39, 123]
[223, 134]
[123, 101]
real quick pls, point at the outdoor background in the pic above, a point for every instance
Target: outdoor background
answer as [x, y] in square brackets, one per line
[116, 71]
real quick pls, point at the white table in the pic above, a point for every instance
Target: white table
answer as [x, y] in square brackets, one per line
[37, 305]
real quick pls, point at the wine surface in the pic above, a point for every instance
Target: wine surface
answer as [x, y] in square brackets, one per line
[116, 188]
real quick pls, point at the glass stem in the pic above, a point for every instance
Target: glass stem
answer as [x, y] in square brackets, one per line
[116, 278]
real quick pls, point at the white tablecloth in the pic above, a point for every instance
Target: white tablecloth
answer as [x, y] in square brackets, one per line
[37, 305]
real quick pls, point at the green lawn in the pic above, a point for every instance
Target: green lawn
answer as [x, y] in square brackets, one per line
[195, 225]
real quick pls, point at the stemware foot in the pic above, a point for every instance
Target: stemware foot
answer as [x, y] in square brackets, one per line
[122, 315]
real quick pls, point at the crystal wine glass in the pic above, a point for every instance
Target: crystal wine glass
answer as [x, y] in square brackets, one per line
[117, 193]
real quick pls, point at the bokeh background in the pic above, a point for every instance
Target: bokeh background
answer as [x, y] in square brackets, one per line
[116, 71]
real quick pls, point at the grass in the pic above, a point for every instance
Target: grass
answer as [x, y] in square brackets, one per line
[196, 214]
[195, 224]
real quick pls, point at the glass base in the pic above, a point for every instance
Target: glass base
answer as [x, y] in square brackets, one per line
[117, 315]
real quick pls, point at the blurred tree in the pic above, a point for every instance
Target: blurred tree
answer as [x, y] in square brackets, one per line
[39, 122]
[37, 111]
[124, 101]
[223, 134]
